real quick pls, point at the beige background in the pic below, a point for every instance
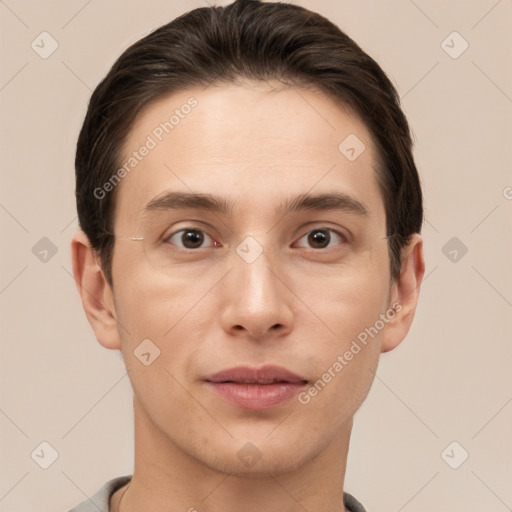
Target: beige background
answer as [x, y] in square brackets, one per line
[449, 381]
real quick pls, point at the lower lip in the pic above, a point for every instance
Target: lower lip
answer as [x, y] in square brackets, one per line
[256, 396]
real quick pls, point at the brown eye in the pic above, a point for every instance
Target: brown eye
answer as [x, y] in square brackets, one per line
[189, 238]
[321, 239]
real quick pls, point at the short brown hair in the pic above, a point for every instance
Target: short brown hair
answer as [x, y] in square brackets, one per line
[257, 41]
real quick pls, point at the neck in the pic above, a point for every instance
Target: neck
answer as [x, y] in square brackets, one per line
[165, 474]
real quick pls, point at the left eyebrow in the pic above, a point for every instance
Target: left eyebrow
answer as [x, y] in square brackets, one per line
[217, 204]
[322, 202]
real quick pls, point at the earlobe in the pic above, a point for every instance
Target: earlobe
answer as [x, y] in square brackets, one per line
[405, 293]
[95, 292]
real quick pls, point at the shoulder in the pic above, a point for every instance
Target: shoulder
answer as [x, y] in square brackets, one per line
[99, 502]
[352, 504]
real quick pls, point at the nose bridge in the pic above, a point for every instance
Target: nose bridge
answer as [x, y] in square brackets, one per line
[253, 272]
[256, 299]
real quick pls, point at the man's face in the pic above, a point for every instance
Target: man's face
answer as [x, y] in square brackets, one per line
[296, 294]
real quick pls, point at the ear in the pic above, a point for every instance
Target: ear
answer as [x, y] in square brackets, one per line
[404, 294]
[95, 292]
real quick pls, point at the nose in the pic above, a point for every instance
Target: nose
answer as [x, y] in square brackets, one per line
[257, 300]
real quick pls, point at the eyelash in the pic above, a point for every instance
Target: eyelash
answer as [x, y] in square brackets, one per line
[184, 230]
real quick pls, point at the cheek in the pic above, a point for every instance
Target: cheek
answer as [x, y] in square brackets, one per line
[174, 312]
[150, 300]
[346, 336]
[161, 333]
[349, 297]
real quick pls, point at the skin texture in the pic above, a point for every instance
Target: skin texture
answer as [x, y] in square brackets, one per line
[295, 306]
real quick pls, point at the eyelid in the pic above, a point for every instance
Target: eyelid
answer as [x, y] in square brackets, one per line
[343, 236]
[327, 225]
[166, 238]
[194, 224]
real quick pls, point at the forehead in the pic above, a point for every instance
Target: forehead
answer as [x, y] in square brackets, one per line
[254, 143]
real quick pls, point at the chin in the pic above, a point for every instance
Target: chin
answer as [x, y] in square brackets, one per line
[253, 459]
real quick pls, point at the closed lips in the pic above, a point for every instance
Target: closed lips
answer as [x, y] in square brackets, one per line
[266, 375]
[259, 381]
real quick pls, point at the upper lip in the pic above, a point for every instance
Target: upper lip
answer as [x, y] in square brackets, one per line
[267, 374]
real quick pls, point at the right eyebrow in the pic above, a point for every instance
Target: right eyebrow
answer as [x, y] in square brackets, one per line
[191, 200]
